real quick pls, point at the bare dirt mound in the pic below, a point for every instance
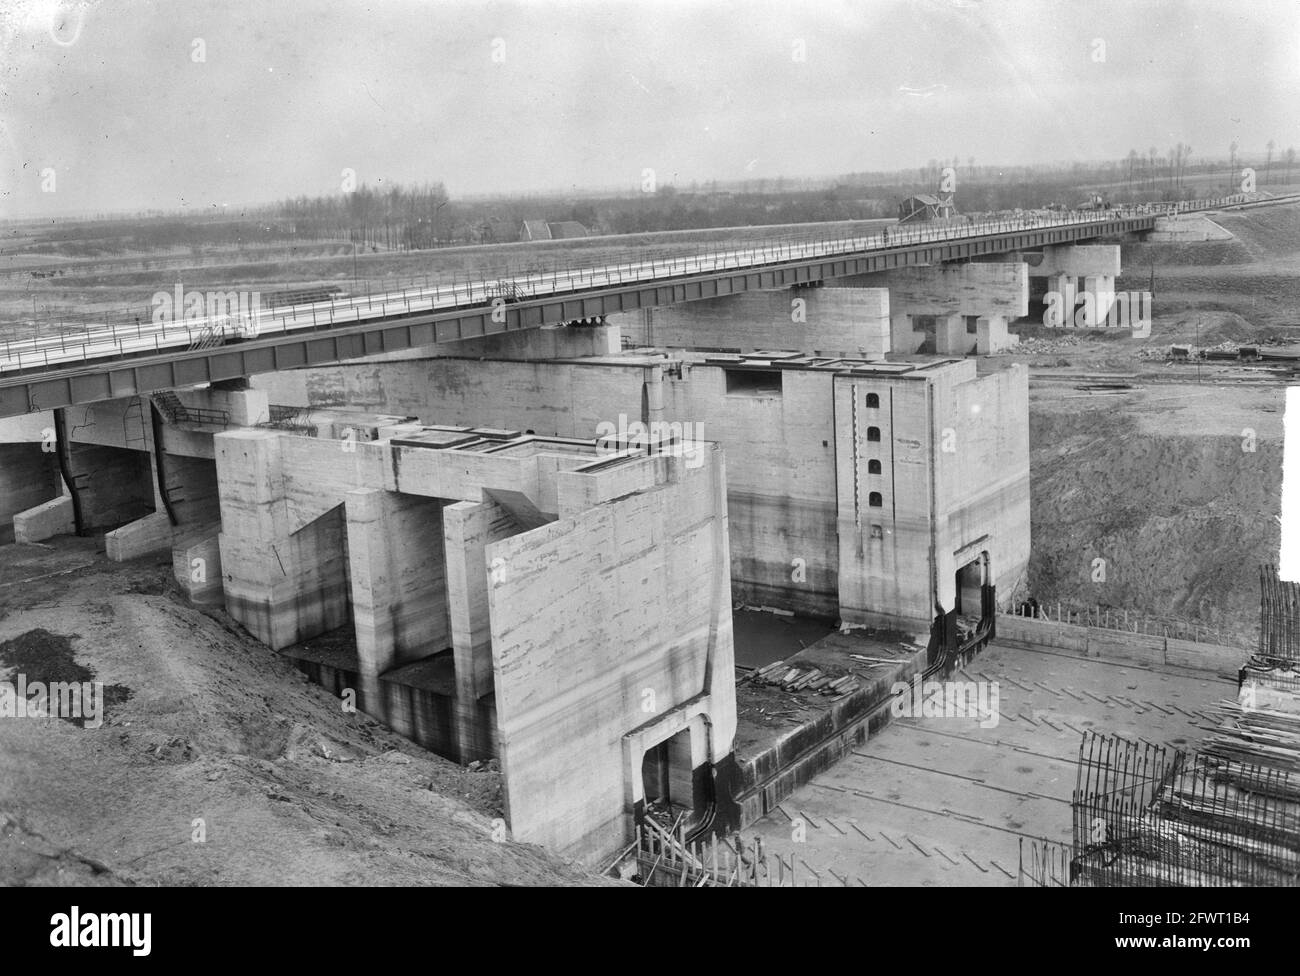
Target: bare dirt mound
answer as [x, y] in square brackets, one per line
[1252, 276]
[223, 764]
[1162, 486]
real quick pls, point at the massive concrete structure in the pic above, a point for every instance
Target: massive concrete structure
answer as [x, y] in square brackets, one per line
[516, 596]
[856, 489]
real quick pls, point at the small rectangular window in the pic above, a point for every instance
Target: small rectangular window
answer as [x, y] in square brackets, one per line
[753, 382]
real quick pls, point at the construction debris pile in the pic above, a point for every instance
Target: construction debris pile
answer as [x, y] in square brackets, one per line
[778, 674]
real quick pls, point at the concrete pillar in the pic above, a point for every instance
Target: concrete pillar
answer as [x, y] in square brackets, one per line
[468, 528]
[652, 392]
[992, 335]
[950, 336]
[904, 339]
[245, 408]
[1075, 270]
[283, 588]
[1098, 292]
[1059, 301]
[398, 580]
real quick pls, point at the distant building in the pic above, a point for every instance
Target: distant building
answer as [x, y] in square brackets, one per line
[926, 206]
[534, 230]
[540, 230]
[567, 229]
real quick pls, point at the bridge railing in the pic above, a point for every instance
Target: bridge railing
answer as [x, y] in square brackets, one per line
[115, 340]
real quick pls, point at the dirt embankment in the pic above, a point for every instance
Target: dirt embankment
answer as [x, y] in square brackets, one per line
[1176, 488]
[216, 762]
[1253, 275]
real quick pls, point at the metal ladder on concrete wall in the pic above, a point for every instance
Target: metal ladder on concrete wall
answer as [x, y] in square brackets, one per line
[133, 434]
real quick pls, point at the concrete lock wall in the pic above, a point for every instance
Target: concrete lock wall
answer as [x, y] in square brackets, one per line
[1122, 646]
[953, 481]
[781, 495]
[556, 399]
[787, 501]
[563, 624]
[885, 518]
[602, 625]
[781, 488]
[284, 532]
[982, 495]
[843, 321]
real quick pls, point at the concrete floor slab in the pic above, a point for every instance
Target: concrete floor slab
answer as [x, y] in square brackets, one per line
[944, 801]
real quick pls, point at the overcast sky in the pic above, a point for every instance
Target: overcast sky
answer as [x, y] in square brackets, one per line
[171, 103]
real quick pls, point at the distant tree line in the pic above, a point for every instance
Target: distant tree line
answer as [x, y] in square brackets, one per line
[396, 216]
[393, 216]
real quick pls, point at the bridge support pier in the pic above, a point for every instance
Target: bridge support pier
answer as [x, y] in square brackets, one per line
[1073, 271]
[954, 309]
[283, 586]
